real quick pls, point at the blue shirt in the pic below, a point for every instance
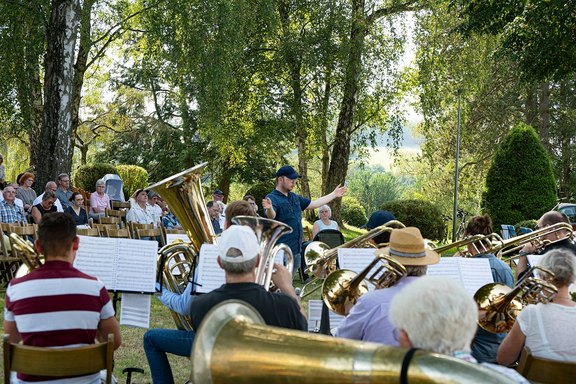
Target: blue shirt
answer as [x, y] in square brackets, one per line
[288, 210]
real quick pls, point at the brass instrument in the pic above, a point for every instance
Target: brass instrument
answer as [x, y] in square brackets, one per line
[481, 244]
[177, 261]
[27, 253]
[321, 259]
[268, 232]
[233, 345]
[499, 305]
[342, 288]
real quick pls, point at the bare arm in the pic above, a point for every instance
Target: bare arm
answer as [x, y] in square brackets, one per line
[268, 208]
[109, 326]
[315, 229]
[11, 330]
[339, 191]
[36, 215]
[511, 346]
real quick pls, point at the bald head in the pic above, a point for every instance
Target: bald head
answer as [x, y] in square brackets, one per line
[552, 217]
[51, 186]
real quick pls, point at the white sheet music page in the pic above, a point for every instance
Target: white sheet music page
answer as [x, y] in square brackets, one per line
[210, 275]
[356, 259]
[535, 260]
[472, 273]
[137, 261]
[315, 314]
[96, 257]
[135, 310]
[170, 237]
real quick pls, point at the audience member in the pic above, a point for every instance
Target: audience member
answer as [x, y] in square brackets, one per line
[218, 196]
[284, 205]
[25, 191]
[214, 213]
[155, 209]
[485, 344]
[368, 319]
[99, 201]
[10, 212]
[140, 211]
[17, 201]
[2, 173]
[64, 192]
[169, 220]
[37, 315]
[325, 213]
[547, 329]
[50, 186]
[252, 201]
[438, 315]
[377, 219]
[45, 206]
[77, 210]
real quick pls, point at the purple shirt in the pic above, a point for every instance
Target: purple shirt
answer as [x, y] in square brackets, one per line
[368, 319]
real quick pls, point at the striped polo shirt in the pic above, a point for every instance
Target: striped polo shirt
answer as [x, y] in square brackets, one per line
[56, 305]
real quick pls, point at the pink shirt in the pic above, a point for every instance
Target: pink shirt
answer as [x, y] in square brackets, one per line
[99, 203]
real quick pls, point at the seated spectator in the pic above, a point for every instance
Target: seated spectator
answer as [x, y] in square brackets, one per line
[64, 192]
[25, 191]
[324, 212]
[17, 201]
[10, 212]
[438, 315]
[140, 212]
[156, 210]
[45, 206]
[77, 210]
[214, 212]
[547, 329]
[99, 201]
[377, 219]
[252, 201]
[169, 220]
[50, 186]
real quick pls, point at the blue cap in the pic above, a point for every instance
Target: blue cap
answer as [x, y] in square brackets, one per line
[378, 218]
[218, 192]
[288, 171]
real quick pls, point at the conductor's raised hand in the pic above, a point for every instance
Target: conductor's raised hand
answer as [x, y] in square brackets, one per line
[266, 203]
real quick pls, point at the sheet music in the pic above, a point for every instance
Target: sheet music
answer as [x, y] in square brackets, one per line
[357, 259]
[535, 260]
[135, 310]
[121, 264]
[210, 275]
[315, 315]
[472, 273]
[170, 237]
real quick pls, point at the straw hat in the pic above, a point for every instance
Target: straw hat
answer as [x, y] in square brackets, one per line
[407, 246]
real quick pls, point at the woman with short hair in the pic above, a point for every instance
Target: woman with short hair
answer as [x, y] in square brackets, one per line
[76, 210]
[324, 212]
[99, 200]
[25, 191]
[44, 207]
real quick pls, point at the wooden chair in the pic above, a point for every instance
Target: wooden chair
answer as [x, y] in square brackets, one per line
[152, 233]
[93, 232]
[102, 228]
[119, 204]
[134, 226]
[173, 231]
[25, 230]
[9, 261]
[119, 214]
[56, 362]
[118, 233]
[539, 370]
[109, 220]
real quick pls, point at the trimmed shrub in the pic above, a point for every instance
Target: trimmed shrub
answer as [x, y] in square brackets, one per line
[353, 212]
[133, 177]
[520, 183]
[424, 215]
[526, 224]
[86, 176]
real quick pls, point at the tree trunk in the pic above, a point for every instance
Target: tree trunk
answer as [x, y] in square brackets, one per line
[544, 109]
[565, 133]
[531, 107]
[56, 137]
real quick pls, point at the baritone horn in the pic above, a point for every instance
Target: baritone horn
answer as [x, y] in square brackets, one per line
[268, 232]
[177, 261]
[27, 253]
[233, 345]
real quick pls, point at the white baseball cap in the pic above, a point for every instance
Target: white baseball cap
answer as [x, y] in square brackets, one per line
[243, 239]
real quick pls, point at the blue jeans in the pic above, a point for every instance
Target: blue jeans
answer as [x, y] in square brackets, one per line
[158, 342]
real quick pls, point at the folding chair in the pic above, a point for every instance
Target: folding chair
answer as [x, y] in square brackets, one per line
[119, 204]
[102, 228]
[507, 231]
[93, 232]
[332, 237]
[151, 234]
[537, 369]
[119, 214]
[25, 230]
[57, 362]
[123, 233]
[109, 220]
[134, 226]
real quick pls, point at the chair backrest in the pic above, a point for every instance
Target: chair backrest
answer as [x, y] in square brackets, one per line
[134, 226]
[541, 370]
[153, 234]
[507, 231]
[94, 232]
[119, 204]
[118, 233]
[58, 361]
[25, 230]
[332, 237]
[108, 220]
[102, 227]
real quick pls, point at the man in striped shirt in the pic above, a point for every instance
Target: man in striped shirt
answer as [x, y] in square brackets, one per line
[56, 305]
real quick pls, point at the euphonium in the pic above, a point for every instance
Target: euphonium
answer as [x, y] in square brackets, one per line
[233, 345]
[25, 249]
[499, 305]
[321, 259]
[342, 288]
[183, 194]
[268, 232]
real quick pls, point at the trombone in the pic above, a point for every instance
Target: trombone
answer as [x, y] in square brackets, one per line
[480, 243]
[321, 259]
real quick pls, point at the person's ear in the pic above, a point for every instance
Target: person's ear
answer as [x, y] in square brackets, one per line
[219, 262]
[257, 260]
[404, 339]
[38, 247]
[76, 243]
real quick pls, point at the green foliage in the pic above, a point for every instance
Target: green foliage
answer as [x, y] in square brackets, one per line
[86, 176]
[520, 184]
[133, 177]
[260, 190]
[424, 215]
[526, 224]
[353, 212]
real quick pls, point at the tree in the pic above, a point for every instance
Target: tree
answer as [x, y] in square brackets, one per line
[373, 187]
[520, 183]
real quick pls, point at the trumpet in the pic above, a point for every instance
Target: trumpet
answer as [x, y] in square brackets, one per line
[268, 232]
[500, 305]
[342, 288]
[321, 259]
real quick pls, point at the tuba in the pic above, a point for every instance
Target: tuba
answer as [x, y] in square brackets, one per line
[233, 345]
[27, 253]
[268, 232]
[321, 259]
[499, 305]
[177, 261]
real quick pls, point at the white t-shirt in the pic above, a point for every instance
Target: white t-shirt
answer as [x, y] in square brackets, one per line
[550, 331]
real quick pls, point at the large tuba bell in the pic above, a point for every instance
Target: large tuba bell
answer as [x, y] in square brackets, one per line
[321, 259]
[31, 259]
[268, 232]
[499, 305]
[177, 261]
[233, 345]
